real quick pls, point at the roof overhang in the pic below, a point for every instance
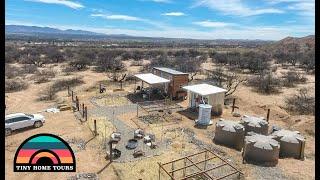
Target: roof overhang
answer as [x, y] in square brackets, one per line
[204, 89]
[151, 78]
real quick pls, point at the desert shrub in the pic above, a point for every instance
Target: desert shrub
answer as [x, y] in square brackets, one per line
[291, 78]
[12, 71]
[274, 68]
[50, 73]
[47, 94]
[44, 76]
[63, 84]
[69, 69]
[30, 68]
[265, 83]
[14, 85]
[41, 79]
[301, 102]
[50, 92]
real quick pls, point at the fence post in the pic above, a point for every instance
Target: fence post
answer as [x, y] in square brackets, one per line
[77, 103]
[110, 146]
[86, 109]
[172, 168]
[83, 110]
[268, 115]
[159, 170]
[233, 103]
[184, 165]
[95, 128]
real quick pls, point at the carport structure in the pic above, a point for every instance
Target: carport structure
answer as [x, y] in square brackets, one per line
[199, 165]
[153, 81]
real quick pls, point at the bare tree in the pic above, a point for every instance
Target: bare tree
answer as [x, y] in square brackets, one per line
[232, 83]
[301, 103]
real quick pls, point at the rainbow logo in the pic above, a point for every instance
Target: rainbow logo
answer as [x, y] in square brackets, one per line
[44, 153]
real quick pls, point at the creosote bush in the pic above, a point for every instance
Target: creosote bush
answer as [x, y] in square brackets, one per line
[265, 83]
[50, 92]
[301, 102]
[291, 78]
[14, 85]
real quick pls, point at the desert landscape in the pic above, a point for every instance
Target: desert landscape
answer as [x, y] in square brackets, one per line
[277, 76]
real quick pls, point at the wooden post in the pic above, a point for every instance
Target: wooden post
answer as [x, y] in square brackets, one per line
[86, 113]
[185, 164]
[83, 110]
[233, 103]
[172, 168]
[205, 158]
[77, 103]
[110, 146]
[268, 115]
[95, 128]
[159, 169]
[68, 90]
[72, 95]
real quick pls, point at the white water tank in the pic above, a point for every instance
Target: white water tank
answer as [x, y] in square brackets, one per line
[204, 115]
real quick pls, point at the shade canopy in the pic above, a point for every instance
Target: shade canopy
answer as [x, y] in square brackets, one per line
[151, 78]
[204, 89]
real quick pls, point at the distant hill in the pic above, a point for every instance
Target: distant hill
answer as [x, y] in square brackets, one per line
[20, 32]
[304, 43]
[19, 29]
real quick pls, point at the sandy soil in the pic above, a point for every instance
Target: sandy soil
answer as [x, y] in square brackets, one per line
[92, 158]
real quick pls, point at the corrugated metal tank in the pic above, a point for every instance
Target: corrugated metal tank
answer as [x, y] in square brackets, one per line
[204, 114]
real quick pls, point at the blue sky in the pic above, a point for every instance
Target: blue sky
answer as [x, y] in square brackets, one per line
[199, 19]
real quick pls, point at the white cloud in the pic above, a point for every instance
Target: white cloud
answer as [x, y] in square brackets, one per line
[236, 7]
[174, 14]
[303, 8]
[212, 24]
[118, 17]
[71, 4]
[257, 32]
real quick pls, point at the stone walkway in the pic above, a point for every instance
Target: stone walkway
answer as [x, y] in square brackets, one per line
[126, 131]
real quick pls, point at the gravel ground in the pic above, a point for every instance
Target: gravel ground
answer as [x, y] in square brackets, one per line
[269, 173]
[126, 132]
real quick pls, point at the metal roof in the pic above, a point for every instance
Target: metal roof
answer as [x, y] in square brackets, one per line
[151, 78]
[170, 71]
[204, 89]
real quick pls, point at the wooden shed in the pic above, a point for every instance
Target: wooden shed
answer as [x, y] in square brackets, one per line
[177, 80]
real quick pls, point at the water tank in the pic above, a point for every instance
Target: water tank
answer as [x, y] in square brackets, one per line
[229, 133]
[204, 115]
[291, 143]
[255, 124]
[261, 149]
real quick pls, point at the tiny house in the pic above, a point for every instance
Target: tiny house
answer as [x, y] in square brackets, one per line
[177, 80]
